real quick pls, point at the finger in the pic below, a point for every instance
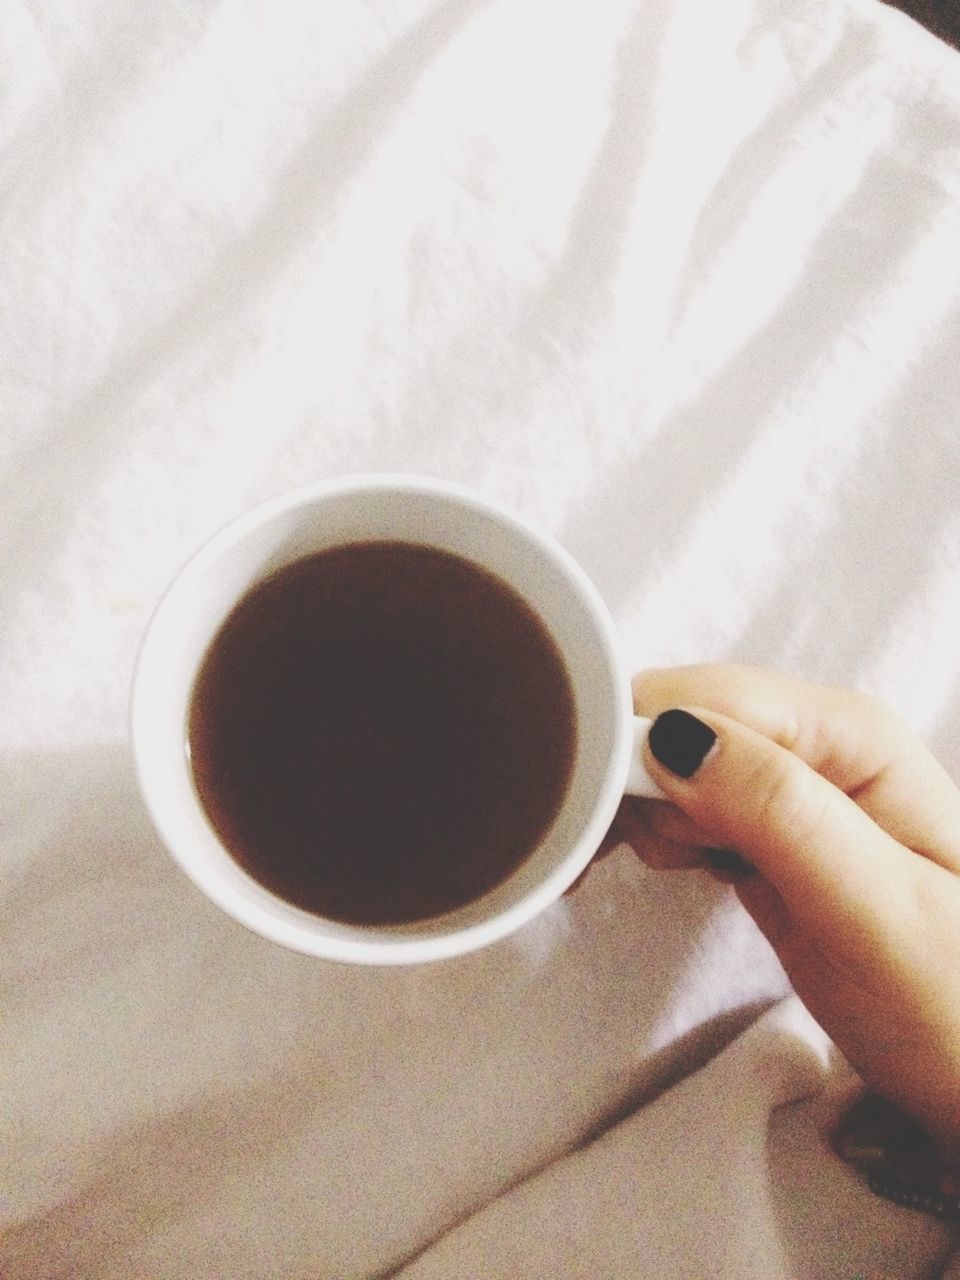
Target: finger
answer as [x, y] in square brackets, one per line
[637, 823]
[832, 865]
[665, 838]
[659, 855]
[657, 817]
[852, 740]
[666, 855]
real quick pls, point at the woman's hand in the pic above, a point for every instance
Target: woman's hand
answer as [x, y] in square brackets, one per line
[851, 830]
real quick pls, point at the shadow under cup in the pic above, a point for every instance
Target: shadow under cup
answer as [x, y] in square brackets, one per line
[433, 514]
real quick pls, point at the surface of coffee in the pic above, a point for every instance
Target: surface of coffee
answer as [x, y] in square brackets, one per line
[381, 732]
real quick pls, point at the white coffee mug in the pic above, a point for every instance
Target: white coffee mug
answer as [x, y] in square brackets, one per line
[434, 513]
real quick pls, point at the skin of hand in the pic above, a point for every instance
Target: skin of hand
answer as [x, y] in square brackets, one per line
[851, 830]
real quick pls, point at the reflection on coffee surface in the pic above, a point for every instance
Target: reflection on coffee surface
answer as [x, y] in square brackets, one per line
[382, 732]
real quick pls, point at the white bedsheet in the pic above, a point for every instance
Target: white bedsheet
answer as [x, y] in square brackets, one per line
[680, 281]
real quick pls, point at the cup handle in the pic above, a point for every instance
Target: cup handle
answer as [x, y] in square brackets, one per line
[639, 782]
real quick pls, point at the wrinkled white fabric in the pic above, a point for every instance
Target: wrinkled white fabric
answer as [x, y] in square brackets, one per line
[728, 1174]
[679, 282]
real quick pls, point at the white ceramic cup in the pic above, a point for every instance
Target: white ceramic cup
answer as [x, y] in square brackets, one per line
[430, 512]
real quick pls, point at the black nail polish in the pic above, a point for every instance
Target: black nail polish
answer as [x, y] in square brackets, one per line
[681, 742]
[729, 862]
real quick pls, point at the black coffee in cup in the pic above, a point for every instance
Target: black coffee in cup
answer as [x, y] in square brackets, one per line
[381, 732]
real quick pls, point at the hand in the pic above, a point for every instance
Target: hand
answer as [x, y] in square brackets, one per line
[851, 830]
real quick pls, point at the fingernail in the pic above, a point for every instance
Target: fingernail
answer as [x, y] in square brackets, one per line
[681, 742]
[729, 862]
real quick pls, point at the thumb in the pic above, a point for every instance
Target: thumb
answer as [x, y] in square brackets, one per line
[826, 858]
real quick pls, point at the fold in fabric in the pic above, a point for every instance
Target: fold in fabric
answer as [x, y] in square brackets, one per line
[729, 1174]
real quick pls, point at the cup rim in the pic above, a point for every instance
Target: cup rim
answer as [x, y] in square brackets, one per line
[357, 944]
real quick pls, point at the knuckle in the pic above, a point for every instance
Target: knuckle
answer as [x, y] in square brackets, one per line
[785, 800]
[867, 703]
[874, 711]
